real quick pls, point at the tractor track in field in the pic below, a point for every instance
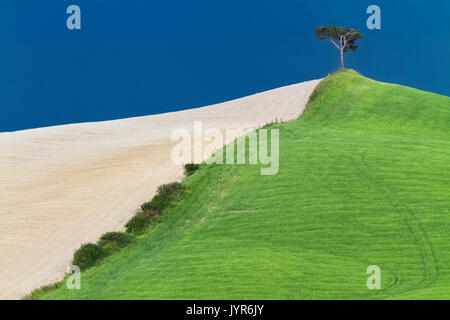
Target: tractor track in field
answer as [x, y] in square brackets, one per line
[413, 225]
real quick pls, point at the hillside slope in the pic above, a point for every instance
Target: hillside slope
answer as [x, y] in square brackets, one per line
[65, 185]
[364, 180]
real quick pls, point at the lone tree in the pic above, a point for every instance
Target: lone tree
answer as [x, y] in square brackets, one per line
[342, 38]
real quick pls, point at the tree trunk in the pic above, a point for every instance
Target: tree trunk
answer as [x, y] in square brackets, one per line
[343, 46]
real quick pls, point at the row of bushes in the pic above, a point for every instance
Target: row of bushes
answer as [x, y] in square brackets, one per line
[89, 254]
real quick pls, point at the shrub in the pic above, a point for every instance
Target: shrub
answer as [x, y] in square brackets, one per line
[110, 248]
[158, 203]
[149, 214]
[164, 197]
[190, 168]
[152, 209]
[137, 225]
[121, 239]
[87, 255]
[140, 221]
[170, 188]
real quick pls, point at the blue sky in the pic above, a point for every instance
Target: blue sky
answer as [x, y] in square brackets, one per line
[139, 57]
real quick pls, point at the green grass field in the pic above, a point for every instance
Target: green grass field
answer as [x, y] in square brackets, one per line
[364, 180]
